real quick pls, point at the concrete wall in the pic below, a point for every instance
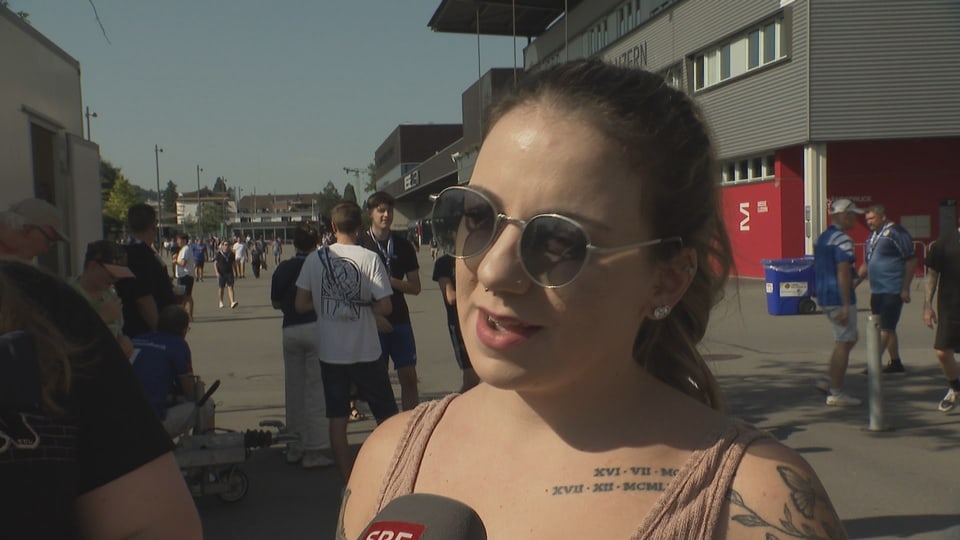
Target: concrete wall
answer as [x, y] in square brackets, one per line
[42, 151]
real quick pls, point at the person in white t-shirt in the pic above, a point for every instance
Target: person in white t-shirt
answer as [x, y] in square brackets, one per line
[240, 251]
[183, 266]
[348, 287]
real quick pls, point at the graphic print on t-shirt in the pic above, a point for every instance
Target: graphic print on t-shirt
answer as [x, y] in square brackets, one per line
[340, 290]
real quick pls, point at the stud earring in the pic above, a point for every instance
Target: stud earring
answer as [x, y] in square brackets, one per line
[661, 312]
[486, 289]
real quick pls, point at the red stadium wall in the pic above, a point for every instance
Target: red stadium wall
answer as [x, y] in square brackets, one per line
[910, 178]
[764, 221]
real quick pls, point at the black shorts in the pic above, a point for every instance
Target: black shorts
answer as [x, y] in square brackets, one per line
[948, 331]
[226, 280]
[198, 263]
[373, 386]
[187, 282]
[888, 307]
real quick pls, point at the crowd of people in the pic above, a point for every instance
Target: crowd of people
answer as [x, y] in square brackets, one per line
[890, 264]
[565, 300]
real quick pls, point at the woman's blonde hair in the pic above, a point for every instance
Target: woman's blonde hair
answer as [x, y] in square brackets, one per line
[19, 313]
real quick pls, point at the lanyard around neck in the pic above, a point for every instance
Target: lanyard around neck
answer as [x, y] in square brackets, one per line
[387, 254]
[876, 238]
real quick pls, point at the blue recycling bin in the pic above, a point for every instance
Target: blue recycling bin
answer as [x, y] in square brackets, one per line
[790, 284]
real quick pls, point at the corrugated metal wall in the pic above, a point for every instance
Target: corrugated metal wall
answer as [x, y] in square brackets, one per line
[884, 69]
[751, 114]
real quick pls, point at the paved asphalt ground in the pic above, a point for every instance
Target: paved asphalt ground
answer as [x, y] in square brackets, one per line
[899, 483]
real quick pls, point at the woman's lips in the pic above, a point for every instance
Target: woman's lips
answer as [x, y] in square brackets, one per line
[500, 332]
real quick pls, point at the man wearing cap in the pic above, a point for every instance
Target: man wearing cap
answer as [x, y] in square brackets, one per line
[29, 228]
[834, 265]
[151, 289]
[890, 264]
[103, 265]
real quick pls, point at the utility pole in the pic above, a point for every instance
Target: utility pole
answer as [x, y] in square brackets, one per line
[156, 153]
[199, 208]
[89, 116]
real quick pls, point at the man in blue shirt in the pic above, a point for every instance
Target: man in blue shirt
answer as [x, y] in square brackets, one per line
[199, 257]
[161, 362]
[890, 264]
[835, 276]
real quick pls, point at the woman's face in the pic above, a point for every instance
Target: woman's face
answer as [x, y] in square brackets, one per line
[521, 336]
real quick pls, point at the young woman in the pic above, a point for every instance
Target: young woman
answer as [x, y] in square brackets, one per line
[590, 254]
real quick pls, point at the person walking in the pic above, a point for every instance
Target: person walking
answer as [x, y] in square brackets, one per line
[240, 251]
[400, 259]
[255, 259]
[199, 257]
[943, 282]
[347, 286]
[303, 383]
[184, 266]
[890, 264]
[223, 265]
[835, 271]
[277, 250]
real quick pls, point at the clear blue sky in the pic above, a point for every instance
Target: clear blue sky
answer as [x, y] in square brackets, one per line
[277, 96]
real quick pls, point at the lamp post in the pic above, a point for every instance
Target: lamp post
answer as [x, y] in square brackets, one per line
[199, 208]
[239, 221]
[156, 153]
[89, 116]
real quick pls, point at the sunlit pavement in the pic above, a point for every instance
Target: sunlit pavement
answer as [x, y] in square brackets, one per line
[900, 483]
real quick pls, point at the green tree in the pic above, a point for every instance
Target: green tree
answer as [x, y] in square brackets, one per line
[213, 217]
[329, 198]
[220, 185]
[108, 176]
[121, 198]
[170, 197]
[371, 178]
[349, 193]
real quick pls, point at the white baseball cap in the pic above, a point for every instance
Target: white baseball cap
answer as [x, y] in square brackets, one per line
[840, 206]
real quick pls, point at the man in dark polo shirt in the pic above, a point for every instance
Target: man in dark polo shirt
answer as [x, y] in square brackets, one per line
[150, 290]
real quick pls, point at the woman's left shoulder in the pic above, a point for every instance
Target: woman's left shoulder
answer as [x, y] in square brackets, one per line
[776, 492]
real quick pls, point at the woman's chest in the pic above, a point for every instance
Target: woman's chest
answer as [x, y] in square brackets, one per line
[555, 493]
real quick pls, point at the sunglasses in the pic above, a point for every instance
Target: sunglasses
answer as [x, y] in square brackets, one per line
[553, 249]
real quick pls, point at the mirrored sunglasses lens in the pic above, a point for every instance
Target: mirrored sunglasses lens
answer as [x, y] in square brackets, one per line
[463, 222]
[553, 250]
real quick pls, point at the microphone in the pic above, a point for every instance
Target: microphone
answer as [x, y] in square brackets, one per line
[421, 516]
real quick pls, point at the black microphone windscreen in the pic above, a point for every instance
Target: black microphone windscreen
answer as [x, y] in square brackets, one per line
[421, 516]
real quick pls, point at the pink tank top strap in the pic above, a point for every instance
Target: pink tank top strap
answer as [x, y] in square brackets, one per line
[405, 465]
[690, 508]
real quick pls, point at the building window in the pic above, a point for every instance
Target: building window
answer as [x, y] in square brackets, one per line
[753, 49]
[752, 169]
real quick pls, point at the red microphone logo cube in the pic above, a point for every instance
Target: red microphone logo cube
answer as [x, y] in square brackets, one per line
[393, 530]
